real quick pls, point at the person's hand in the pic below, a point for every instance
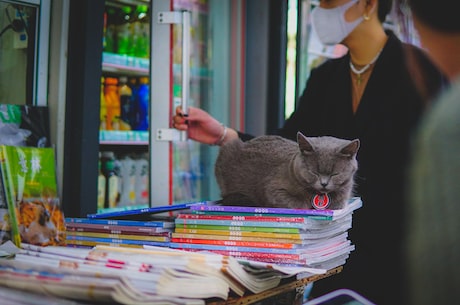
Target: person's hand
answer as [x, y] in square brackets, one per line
[202, 127]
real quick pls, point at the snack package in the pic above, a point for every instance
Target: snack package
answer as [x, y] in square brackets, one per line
[24, 125]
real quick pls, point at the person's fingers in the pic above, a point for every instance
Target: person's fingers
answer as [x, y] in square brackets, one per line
[180, 126]
[190, 109]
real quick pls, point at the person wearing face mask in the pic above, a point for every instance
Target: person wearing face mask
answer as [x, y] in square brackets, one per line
[369, 94]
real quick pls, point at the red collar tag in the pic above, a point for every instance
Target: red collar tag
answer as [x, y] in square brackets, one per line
[320, 201]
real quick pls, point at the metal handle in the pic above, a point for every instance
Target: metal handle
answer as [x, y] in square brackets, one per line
[182, 17]
[185, 61]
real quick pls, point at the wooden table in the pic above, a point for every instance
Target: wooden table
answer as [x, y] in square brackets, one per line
[277, 291]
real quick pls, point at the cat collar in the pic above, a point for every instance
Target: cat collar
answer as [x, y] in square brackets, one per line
[320, 201]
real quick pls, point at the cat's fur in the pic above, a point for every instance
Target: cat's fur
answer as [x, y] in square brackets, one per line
[271, 171]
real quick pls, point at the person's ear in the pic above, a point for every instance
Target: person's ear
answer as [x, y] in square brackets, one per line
[370, 8]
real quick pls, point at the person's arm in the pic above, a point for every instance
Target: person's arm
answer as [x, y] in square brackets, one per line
[203, 128]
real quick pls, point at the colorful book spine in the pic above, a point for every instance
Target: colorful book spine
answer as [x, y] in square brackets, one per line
[130, 230]
[240, 223]
[284, 259]
[149, 210]
[296, 236]
[255, 255]
[353, 204]
[116, 222]
[237, 238]
[238, 228]
[118, 236]
[233, 248]
[117, 241]
[236, 243]
[237, 217]
[91, 244]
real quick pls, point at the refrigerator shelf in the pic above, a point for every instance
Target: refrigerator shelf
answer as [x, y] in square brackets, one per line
[124, 137]
[126, 64]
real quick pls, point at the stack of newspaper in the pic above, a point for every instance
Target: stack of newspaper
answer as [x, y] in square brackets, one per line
[119, 275]
[300, 237]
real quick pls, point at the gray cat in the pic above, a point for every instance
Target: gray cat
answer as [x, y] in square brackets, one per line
[271, 171]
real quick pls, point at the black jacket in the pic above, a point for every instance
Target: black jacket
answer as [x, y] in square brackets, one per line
[388, 112]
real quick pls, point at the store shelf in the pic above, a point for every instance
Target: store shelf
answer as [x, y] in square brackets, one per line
[109, 137]
[125, 64]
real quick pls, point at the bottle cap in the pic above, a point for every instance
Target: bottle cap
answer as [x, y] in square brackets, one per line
[144, 80]
[111, 81]
[126, 9]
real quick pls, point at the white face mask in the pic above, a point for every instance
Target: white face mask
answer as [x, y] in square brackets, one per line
[330, 24]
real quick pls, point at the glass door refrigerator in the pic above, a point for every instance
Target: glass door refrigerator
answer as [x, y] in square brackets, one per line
[158, 55]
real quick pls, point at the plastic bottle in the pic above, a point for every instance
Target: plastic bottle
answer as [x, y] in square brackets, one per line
[141, 29]
[112, 101]
[109, 30]
[125, 103]
[101, 184]
[142, 180]
[128, 176]
[112, 192]
[103, 110]
[143, 103]
[124, 32]
[134, 111]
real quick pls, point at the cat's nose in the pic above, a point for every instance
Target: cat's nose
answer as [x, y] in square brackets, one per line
[323, 184]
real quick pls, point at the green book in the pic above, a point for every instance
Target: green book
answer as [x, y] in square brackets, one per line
[238, 228]
[29, 176]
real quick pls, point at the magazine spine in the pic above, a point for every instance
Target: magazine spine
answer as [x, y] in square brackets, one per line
[238, 233]
[116, 222]
[239, 228]
[118, 241]
[233, 248]
[150, 210]
[236, 243]
[263, 210]
[237, 238]
[242, 218]
[240, 223]
[10, 196]
[129, 230]
[119, 236]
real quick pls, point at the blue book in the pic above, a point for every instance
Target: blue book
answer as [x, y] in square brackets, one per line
[147, 211]
[121, 222]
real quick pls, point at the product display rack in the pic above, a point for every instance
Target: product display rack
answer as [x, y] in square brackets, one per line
[126, 142]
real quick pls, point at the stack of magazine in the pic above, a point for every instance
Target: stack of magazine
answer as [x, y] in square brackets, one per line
[119, 275]
[134, 228]
[300, 237]
[87, 232]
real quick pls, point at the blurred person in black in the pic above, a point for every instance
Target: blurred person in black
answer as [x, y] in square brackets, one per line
[432, 225]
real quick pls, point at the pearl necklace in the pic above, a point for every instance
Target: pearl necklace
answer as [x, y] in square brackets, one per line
[363, 69]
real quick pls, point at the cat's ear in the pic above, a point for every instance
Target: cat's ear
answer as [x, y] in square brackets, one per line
[350, 149]
[303, 142]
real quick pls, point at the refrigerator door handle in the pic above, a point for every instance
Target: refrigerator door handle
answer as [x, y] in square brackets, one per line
[179, 17]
